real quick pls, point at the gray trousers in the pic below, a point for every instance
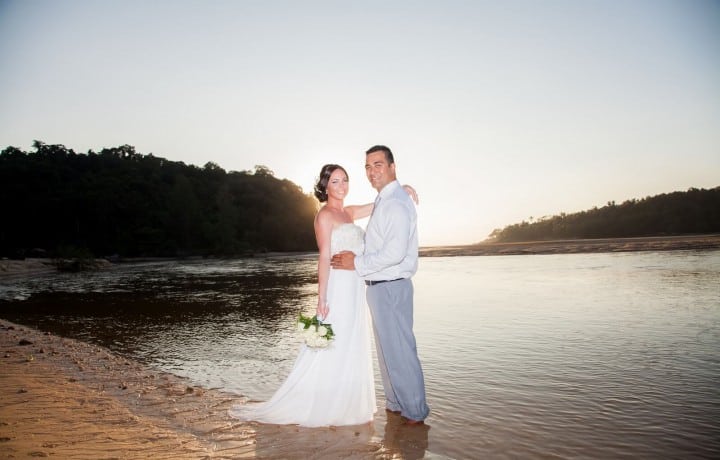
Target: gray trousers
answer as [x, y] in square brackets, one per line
[391, 305]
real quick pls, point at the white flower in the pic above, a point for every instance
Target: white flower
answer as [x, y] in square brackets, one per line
[314, 333]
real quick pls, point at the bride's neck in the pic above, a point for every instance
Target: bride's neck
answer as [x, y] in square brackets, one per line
[336, 205]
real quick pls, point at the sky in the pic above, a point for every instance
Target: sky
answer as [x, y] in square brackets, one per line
[496, 111]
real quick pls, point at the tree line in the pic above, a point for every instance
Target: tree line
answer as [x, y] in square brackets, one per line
[696, 211]
[117, 202]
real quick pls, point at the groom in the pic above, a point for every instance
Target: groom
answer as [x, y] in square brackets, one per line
[389, 261]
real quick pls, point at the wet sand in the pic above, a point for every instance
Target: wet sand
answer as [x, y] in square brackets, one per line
[64, 398]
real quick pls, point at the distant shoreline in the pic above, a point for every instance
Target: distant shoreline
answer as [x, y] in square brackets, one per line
[649, 243]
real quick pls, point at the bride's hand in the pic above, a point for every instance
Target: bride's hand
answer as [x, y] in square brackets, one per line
[413, 194]
[322, 310]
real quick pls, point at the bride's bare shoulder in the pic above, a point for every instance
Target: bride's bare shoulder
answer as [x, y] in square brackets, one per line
[325, 217]
[324, 214]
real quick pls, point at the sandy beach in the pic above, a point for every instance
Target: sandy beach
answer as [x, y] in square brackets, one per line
[63, 398]
[650, 243]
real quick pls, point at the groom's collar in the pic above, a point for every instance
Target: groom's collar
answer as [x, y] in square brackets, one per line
[389, 188]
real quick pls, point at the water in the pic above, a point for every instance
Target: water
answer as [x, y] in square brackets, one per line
[542, 356]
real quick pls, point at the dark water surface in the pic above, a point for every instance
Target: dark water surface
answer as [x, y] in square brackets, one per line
[542, 356]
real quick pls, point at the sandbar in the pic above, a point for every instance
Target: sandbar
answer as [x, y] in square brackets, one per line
[64, 398]
[578, 246]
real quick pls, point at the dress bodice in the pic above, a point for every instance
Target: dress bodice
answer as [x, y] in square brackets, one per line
[347, 237]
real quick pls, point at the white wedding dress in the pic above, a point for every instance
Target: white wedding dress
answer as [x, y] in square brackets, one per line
[330, 386]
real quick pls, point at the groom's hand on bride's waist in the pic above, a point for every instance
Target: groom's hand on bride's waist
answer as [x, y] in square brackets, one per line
[344, 260]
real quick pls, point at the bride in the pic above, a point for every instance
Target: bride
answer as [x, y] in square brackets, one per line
[330, 386]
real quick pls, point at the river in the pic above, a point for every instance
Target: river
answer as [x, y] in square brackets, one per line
[609, 355]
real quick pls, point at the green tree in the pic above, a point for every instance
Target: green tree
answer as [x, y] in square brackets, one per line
[118, 201]
[693, 212]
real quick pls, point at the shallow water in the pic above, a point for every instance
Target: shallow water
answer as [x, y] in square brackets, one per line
[543, 356]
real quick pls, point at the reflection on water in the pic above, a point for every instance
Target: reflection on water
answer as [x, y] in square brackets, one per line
[584, 355]
[210, 321]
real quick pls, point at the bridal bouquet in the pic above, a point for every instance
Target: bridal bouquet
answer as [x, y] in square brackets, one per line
[314, 332]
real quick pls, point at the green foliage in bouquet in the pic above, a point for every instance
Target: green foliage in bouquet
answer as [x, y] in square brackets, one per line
[322, 332]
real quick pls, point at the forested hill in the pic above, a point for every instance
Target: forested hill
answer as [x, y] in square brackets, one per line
[120, 202]
[696, 211]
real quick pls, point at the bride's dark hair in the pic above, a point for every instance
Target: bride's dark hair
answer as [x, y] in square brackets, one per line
[321, 185]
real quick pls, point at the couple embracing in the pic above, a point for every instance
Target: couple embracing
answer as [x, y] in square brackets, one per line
[335, 385]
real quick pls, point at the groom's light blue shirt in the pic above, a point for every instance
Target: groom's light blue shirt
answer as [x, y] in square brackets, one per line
[391, 241]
